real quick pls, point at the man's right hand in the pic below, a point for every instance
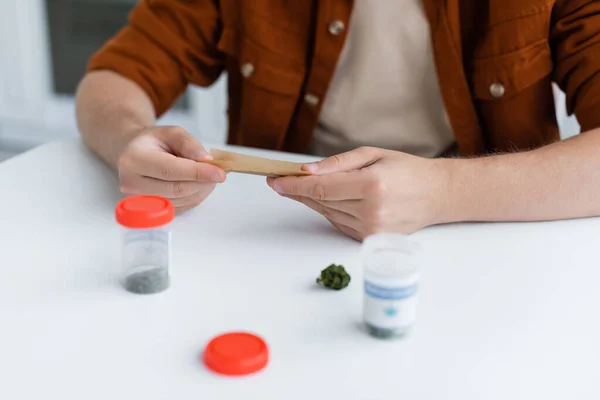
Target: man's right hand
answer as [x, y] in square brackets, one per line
[163, 161]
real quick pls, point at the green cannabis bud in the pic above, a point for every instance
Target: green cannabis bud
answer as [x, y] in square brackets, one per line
[334, 277]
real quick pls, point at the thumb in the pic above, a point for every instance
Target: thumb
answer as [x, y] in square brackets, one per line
[349, 161]
[182, 144]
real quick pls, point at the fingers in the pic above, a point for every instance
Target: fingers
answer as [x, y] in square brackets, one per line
[335, 187]
[352, 207]
[182, 144]
[166, 162]
[350, 232]
[349, 161]
[331, 214]
[187, 203]
[167, 167]
[183, 195]
[137, 185]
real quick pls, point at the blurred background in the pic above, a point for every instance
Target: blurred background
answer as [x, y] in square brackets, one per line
[44, 48]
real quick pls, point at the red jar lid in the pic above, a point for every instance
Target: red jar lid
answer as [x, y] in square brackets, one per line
[143, 212]
[236, 353]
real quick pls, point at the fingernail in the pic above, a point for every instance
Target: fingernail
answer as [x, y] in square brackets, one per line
[202, 155]
[270, 181]
[312, 167]
[217, 177]
[277, 187]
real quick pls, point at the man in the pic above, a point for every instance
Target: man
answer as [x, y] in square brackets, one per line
[415, 81]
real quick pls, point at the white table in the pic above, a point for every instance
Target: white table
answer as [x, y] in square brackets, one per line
[507, 311]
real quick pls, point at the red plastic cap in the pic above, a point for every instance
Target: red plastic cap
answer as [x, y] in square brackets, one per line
[236, 353]
[143, 212]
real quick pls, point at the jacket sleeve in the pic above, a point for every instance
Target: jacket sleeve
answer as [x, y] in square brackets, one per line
[166, 45]
[575, 40]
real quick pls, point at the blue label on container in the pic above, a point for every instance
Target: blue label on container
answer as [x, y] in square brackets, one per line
[390, 293]
[390, 311]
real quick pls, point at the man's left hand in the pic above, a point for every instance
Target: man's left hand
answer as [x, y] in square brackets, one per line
[369, 190]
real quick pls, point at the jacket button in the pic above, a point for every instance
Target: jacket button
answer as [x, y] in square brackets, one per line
[247, 70]
[497, 90]
[337, 27]
[311, 99]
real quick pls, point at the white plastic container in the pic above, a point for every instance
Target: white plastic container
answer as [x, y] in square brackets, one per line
[146, 250]
[391, 284]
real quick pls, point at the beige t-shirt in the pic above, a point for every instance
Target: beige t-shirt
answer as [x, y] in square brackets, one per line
[385, 91]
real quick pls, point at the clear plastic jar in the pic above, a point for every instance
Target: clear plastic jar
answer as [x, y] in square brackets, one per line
[391, 283]
[146, 251]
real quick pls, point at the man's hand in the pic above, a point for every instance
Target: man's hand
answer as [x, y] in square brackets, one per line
[163, 161]
[369, 190]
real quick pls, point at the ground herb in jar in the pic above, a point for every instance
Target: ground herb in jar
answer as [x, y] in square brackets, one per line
[148, 282]
[382, 333]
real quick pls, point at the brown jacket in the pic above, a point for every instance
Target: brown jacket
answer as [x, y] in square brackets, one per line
[496, 60]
